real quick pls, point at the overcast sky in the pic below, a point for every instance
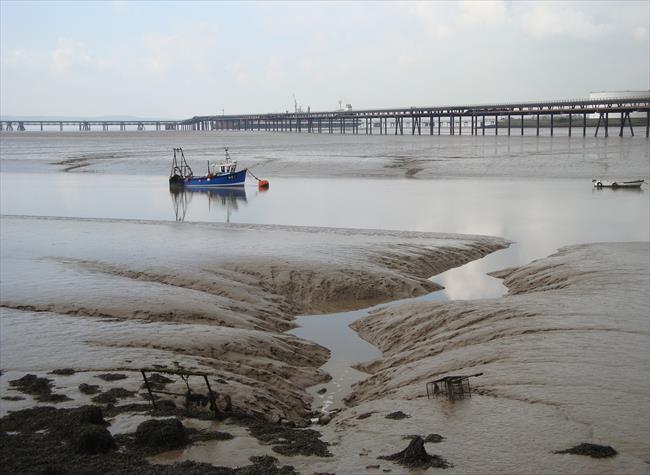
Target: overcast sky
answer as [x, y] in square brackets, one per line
[175, 60]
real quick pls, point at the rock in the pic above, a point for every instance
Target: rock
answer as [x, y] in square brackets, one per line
[92, 439]
[592, 450]
[161, 434]
[322, 391]
[324, 419]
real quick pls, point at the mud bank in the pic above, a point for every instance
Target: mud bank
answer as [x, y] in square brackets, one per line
[567, 347]
[119, 295]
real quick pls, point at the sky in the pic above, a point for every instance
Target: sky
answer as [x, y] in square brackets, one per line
[174, 60]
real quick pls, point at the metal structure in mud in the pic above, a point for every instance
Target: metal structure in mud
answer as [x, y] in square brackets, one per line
[451, 387]
[601, 113]
[192, 399]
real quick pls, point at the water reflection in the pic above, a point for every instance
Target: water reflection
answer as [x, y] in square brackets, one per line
[219, 199]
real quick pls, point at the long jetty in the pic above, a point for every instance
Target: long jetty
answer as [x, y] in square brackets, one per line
[509, 118]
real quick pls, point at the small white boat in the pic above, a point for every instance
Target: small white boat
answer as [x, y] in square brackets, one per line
[617, 184]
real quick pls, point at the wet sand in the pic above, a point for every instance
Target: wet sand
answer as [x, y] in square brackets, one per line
[213, 297]
[570, 342]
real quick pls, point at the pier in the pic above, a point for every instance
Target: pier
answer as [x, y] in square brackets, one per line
[617, 116]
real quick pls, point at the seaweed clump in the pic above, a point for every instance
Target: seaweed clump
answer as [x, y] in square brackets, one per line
[157, 434]
[286, 440]
[39, 388]
[591, 450]
[112, 395]
[415, 456]
[397, 415]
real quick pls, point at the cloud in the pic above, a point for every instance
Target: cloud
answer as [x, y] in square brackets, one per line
[640, 33]
[488, 12]
[549, 19]
[191, 47]
[442, 19]
[74, 56]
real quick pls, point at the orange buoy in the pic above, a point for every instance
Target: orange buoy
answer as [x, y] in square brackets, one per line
[262, 184]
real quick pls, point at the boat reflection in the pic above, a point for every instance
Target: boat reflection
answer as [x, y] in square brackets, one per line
[228, 199]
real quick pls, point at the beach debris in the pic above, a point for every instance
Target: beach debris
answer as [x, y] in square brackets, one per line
[218, 405]
[111, 376]
[321, 391]
[397, 415]
[372, 466]
[429, 439]
[88, 388]
[452, 387]
[165, 434]
[592, 450]
[39, 388]
[415, 456]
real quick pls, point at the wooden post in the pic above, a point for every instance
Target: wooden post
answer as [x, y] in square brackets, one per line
[647, 123]
[629, 121]
[483, 126]
[538, 124]
[584, 124]
[600, 116]
[522, 125]
[552, 115]
[606, 124]
[620, 134]
[431, 125]
[460, 125]
[508, 125]
[496, 125]
[438, 125]
[570, 123]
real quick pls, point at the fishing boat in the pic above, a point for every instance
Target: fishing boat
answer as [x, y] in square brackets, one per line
[617, 184]
[219, 174]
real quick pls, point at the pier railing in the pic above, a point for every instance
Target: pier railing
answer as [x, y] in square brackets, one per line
[603, 114]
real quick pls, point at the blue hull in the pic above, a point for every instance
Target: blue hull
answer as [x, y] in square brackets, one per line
[231, 179]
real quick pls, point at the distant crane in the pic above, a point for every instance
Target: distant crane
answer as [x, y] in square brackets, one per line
[296, 107]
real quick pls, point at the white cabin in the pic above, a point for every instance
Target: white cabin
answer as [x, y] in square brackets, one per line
[224, 168]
